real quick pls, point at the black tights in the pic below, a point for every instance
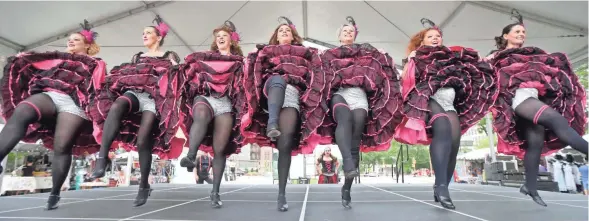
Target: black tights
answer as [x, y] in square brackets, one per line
[67, 127]
[287, 122]
[534, 134]
[202, 116]
[117, 112]
[443, 151]
[287, 119]
[348, 134]
[456, 134]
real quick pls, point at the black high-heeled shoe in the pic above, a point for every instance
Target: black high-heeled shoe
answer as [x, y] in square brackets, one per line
[216, 200]
[442, 195]
[350, 170]
[346, 198]
[142, 196]
[282, 205]
[100, 169]
[52, 202]
[272, 131]
[188, 163]
[535, 197]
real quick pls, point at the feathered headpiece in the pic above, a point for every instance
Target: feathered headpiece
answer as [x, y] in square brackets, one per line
[234, 35]
[161, 27]
[87, 32]
[285, 20]
[517, 17]
[352, 22]
[430, 25]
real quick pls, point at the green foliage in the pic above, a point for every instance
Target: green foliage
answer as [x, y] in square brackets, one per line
[420, 153]
[581, 72]
[10, 157]
[482, 126]
[484, 143]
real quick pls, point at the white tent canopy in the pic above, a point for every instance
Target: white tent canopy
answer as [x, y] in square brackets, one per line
[479, 154]
[553, 26]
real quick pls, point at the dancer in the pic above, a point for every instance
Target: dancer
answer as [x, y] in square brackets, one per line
[291, 80]
[327, 167]
[211, 91]
[541, 104]
[359, 73]
[44, 96]
[451, 90]
[138, 108]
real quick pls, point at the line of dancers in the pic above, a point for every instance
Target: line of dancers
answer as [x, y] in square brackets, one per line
[292, 98]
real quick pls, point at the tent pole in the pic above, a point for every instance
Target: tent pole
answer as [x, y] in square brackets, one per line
[491, 141]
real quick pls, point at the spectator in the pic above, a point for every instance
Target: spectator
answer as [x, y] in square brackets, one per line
[570, 174]
[203, 169]
[558, 172]
[584, 171]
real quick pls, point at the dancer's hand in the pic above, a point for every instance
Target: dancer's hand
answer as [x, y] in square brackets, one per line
[489, 58]
[412, 54]
[324, 106]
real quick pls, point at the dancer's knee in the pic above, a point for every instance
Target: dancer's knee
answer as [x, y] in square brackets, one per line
[284, 150]
[201, 112]
[275, 81]
[62, 147]
[144, 144]
[343, 115]
[121, 105]
[219, 153]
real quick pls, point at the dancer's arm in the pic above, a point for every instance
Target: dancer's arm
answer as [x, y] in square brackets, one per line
[174, 58]
[318, 166]
[411, 55]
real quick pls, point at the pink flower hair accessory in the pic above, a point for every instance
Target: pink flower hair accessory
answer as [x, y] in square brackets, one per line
[234, 35]
[88, 34]
[351, 21]
[161, 27]
[286, 21]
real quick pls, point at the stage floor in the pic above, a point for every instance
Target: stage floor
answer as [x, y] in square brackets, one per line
[382, 202]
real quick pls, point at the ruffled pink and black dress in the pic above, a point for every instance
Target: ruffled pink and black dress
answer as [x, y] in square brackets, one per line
[152, 79]
[362, 68]
[217, 79]
[68, 79]
[531, 72]
[301, 68]
[439, 73]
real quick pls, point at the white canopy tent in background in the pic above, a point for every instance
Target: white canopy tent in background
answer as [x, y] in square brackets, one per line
[555, 26]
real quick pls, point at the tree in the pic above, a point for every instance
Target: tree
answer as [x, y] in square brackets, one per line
[482, 126]
[420, 153]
